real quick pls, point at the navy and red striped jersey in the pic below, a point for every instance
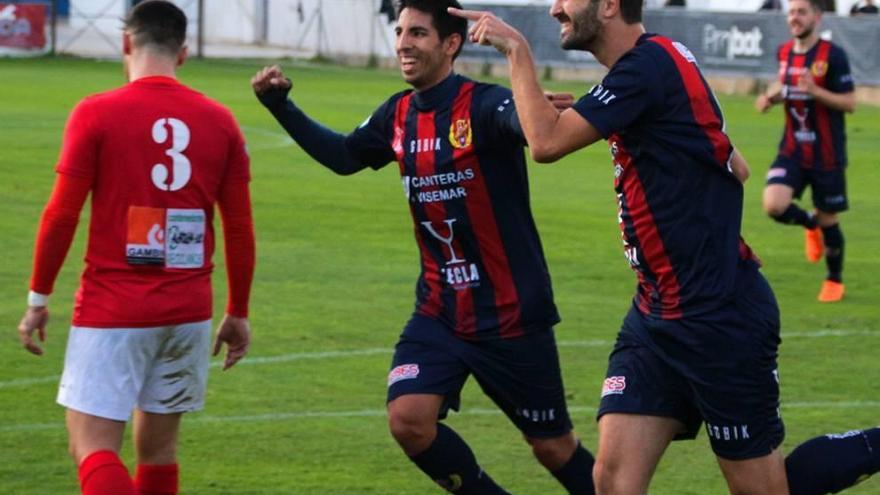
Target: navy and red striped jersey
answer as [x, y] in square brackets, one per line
[460, 151]
[680, 206]
[814, 134]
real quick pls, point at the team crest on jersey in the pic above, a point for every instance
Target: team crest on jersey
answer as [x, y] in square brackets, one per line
[460, 134]
[819, 68]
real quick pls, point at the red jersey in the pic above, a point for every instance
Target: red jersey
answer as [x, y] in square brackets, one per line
[157, 155]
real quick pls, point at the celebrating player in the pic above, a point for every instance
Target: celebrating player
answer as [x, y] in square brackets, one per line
[699, 344]
[156, 157]
[484, 305]
[816, 88]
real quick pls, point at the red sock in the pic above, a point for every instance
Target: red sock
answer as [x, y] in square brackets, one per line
[156, 479]
[102, 473]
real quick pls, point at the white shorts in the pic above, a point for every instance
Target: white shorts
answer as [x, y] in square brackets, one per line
[110, 371]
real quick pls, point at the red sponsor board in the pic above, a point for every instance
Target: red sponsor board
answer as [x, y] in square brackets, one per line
[23, 25]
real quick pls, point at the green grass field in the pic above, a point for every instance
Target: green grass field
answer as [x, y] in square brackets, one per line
[304, 413]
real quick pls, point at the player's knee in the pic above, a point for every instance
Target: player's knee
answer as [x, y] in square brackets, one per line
[608, 479]
[553, 453]
[774, 209]
[412, 432]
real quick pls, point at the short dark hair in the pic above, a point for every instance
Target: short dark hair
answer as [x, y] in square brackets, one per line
[631, 11]
[445, 23]
[158, 23]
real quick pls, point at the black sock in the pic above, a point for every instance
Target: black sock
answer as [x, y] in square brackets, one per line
[834, 252]
[796, 216]
[831, 463]
[577, 474]
[452, 465]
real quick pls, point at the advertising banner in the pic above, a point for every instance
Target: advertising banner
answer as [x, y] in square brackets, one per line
[23, 26]
[741, 44]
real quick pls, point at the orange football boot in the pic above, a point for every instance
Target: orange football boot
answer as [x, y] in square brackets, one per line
[814, 245]
[831, 291]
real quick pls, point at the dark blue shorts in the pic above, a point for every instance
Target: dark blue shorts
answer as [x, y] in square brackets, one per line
[829, 186]
[719, 369]
[521, 375]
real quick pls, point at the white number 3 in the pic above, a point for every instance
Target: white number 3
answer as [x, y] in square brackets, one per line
[181, 166]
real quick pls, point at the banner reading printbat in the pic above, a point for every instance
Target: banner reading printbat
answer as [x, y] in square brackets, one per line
[23, 26]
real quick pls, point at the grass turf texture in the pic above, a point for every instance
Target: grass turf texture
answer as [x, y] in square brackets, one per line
[335, 275]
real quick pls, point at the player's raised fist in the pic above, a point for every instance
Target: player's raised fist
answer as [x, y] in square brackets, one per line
[270, 77]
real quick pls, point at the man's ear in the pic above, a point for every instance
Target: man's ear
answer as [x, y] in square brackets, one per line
[126, 43]
[608, 8]
[452, 43]
[182, 55]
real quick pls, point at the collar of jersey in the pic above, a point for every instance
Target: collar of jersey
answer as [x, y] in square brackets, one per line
[164, 80]
[441, 94]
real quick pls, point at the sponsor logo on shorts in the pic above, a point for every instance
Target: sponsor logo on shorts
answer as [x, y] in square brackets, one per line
[614, 385]
[728, 433]
[776, 172]
[537, 415]
[403, 372]
[835, 200]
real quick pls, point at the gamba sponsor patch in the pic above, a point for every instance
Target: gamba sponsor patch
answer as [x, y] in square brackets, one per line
[173, 237]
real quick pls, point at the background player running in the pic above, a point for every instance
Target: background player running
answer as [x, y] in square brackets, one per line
[816, 88]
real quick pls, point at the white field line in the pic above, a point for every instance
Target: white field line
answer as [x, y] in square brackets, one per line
[200, 419]
[281, 138]
[301, 356]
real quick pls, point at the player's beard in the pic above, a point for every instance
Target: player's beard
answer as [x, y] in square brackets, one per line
[585, 28]
[807, 31]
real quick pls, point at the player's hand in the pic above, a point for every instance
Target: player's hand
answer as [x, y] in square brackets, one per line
[560, 101]
[34, 319]
[763, 103]
[270, 77]
[490, 30]
[806, 84]
[236, 334]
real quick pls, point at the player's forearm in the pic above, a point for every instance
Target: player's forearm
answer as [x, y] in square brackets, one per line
[56, 231]
[739, 167]
[326, 146]
[842, 102]
[537, 116]
[240, 246]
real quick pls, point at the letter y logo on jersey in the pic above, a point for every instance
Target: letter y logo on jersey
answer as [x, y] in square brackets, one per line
[458, 273]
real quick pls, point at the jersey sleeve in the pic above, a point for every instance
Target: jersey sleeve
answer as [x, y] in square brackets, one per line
[239, 162]
[79, 147]
[57, 229]
[629, 90]
[370, 142]
[497, 117]
[840, 79]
